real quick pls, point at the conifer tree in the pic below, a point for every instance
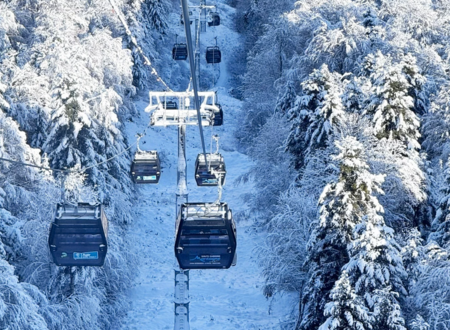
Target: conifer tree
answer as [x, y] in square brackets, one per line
[318, 112]
[346, 310]
[416, 81]
[375, 265]
[343, 204]
[287, 101]
[390, 105]
[19, 201]
[18, 309]
[436, 126]
[441, 221]
[155, 12]
[376, 269]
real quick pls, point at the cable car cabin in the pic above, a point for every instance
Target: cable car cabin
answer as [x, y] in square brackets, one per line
[204, 171]
[218, 116]
[182, 18]
[205, 236]
[213, 55]
[146, 167]
[179, 52]
[78, 236]
[214, 19]
[172, 105]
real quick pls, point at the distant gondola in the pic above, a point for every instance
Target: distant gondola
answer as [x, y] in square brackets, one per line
[213, 55]
[207, 172]
[179, 52]
[146, 167]
[171, 105]
[78, 235]
[205, 236]
[182, 19]
[218, 116]
[214, 19]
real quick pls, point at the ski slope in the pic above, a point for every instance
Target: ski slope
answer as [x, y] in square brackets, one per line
[219, 299]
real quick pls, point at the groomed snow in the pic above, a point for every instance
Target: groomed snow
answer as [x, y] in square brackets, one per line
[219, 299]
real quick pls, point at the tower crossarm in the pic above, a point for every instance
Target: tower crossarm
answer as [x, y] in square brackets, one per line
[184, 113]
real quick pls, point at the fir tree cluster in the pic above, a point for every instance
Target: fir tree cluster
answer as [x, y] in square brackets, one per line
[356, 207]
[68, 75]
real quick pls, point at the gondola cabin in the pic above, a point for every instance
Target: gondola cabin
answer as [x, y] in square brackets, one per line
[179, 52]
[207, 172]
[78, 235]
[146, 167]
[205, 236]
[214, 19]
[171, 105]
[213, 55]
[182, 19]
[218, 116]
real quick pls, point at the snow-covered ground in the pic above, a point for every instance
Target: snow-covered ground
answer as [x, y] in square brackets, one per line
[219, 299]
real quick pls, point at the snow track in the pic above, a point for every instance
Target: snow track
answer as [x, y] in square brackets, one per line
[219, 299]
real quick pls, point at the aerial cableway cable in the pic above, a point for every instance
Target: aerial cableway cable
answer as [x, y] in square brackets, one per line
[197, 44]
[134, 41]
[75, 171]
[187, 29]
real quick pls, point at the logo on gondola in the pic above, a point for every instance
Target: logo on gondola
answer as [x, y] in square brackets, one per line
[85, 255]
[63, 255]
[210, 181]
[206, 259]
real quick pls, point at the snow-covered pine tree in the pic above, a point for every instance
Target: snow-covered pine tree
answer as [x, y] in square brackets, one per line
[416, 81]
[376, 269]
[418, 323]
[317, 115]
[346, 310]
[391, 109]
[327, 112]
[441, 222]
[374, 27]
[329, 33]
[391, 106]
[343, 204]
[354, 95]
[18, 309]
[340, 46]
[428, 301]
[22, 197]
[436, 126]
[299, 116]
[155, 13]
[287, 100]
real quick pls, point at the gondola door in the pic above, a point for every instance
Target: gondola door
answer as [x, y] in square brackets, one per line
[78, 235]
[205, 236]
